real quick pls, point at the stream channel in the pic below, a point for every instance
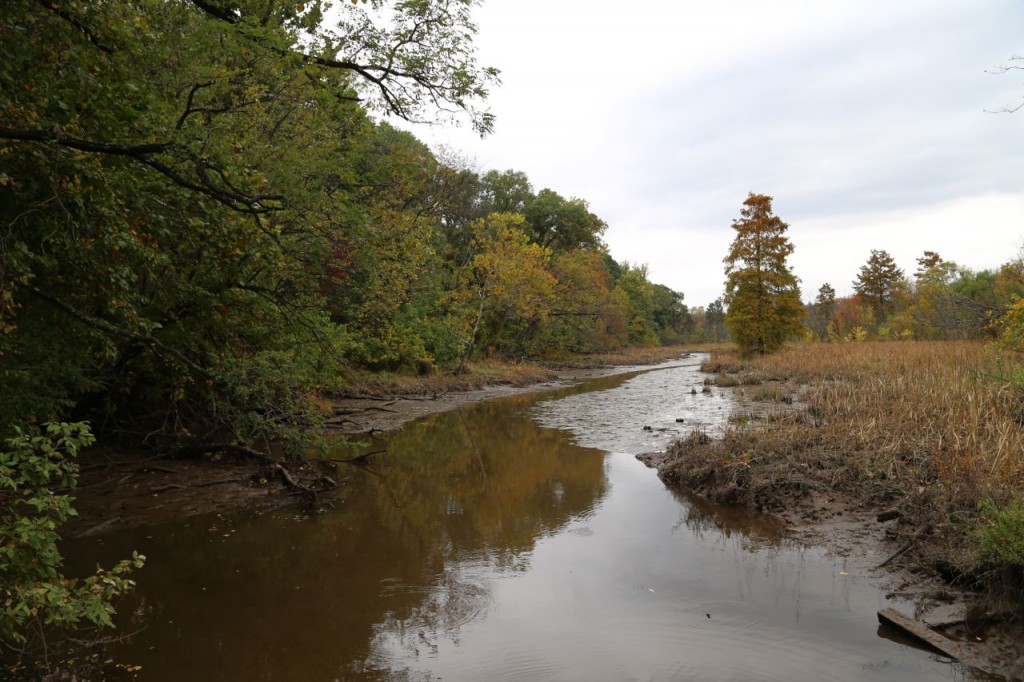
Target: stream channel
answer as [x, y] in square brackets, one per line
[514, 539]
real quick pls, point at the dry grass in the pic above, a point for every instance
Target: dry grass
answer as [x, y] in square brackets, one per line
[937, 411]
[927, 427]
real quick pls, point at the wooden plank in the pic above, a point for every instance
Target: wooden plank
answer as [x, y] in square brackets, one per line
[922, 633]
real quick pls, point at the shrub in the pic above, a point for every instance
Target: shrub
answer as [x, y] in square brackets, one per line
[1000, 532]
[35, 597]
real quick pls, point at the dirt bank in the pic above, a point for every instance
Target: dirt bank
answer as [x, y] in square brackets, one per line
[120, 489]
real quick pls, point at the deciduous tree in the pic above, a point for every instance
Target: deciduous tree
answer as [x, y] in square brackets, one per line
[762, 293]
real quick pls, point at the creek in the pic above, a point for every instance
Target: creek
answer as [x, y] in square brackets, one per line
[514, 539]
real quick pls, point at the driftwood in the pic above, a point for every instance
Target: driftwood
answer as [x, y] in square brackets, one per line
[345, 412]
[99, 527]
[358, 460]
[353, 396]
[310, 494]
[922, 633]
[959, 651]
[204, 484]
[231, 448]
[906, 548]
[898, 553]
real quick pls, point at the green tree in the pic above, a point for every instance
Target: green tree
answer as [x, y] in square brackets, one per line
[562, 224]
[640, 292]
[762, 294]
[506, 192]
[878, 282]
[671, 316]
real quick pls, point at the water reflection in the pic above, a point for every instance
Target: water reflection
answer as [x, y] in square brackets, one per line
[410, 549]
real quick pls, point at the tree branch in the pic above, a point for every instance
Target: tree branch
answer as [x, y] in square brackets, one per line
[30, 135]
[227, 194]
[108, 328]
[77, 24]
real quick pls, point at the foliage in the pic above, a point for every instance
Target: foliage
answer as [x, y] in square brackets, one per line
[1012, 324]
[562, 224]
[762, 294]
[184, 190]
[1000, 531]
[203, 224]
[878, 281]
[36, 596]
[588, 316]
[506, 284]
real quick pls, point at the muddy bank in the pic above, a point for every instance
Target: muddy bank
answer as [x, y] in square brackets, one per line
[868, 535]
[125, 489]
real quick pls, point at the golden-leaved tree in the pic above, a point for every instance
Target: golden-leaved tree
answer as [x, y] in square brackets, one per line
[762, 293]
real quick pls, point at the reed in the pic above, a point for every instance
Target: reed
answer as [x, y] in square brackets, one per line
[935, 412]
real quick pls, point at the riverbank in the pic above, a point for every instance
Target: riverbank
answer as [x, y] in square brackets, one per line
[911, 446]
[122, 489]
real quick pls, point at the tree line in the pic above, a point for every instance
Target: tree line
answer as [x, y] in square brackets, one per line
[762, 308]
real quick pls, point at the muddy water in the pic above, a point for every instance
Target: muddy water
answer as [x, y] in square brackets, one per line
[484, 546]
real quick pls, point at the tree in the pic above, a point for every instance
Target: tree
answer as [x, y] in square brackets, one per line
[762, 294]
[878, 282]
[506, 285]
[639, 292]
[824, 311]
[671, 316]
[715, 317]
[506, 192]
[585, 316]
[562, 224]
[934, 312]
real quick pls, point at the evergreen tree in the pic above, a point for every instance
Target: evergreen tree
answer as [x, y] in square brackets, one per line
[824, 310]
[762, 294]
[877, 282]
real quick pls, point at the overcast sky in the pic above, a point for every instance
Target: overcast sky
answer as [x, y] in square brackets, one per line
[867, 121]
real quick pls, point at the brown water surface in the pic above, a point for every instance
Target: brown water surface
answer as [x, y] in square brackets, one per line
[485, 546]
